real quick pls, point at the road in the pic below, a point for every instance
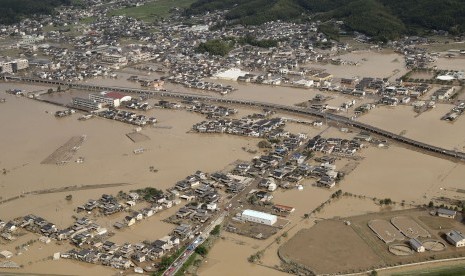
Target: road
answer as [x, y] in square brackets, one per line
[452, 154]
[187, 253]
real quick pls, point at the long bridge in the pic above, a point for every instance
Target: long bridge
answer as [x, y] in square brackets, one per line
[291, 109]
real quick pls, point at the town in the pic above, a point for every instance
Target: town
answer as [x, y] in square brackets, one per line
[181, 143]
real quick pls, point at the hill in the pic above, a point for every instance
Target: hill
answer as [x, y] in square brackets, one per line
[382, 19]
[13, 10]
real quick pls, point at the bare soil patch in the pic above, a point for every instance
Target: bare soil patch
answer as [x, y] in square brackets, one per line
[329, 247]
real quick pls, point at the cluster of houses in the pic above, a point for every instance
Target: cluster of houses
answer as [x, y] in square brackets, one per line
[414, 54]
[197, 83]
[127, 117]
[106, 205]
[455, 112]
[247, 126]
[212, 111]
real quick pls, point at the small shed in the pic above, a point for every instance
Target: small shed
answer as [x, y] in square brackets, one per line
[416, 245]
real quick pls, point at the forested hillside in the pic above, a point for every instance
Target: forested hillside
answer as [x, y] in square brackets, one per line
[382, 19]
[13, 10]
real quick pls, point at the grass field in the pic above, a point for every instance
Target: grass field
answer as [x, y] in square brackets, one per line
[441, 271]
[153, 10]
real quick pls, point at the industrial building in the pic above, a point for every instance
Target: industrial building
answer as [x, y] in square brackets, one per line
[259, 217]
[456, 238]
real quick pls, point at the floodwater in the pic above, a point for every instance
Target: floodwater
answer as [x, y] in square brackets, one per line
[427, 127]
[373, 64]
[30, 133]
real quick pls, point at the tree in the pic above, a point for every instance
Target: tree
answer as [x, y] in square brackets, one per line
[373, 273]
[253, 199]
[201, 250]
[69, 197]
[216, 231]
[430, 204]
[264, 144]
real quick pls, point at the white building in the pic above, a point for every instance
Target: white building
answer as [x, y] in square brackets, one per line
[456, 238]
[86, 104]
[259, 217]
[113, 99]
[13, 66]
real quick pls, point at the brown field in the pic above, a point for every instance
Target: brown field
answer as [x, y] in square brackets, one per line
[322, 247]
[329, 247]
[437, 223]
[385, 230]
[409, 227]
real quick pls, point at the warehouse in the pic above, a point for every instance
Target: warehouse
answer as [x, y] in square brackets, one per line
[259, 217]
[456, 238]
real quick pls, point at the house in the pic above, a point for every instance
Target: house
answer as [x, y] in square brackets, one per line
[148, 212]
[212, 206]
[283, 208]
[138, 215]
[446, 213]
[272, 187]
[456, 238]
[416, 245]
[161, 244]
[183, 230]
[138, 257]
[326, 182]
[10, 227]
[129, 220]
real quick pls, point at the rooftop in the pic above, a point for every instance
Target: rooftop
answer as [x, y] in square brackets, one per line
[258, 214]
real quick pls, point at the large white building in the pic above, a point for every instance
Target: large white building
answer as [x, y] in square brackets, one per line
[113, 99]
[83, 103]
[259, 217]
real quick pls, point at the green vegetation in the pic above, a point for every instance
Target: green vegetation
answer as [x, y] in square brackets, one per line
[216, 231]
[380, 19]
[13, 11]
[167, 261]
[386, 201]
[201, 250]
[153, 10]
[88, 20]
[256, 257]
[264, 43]
[216, 47]
[442, 271]
[149, 192]
[330, 30]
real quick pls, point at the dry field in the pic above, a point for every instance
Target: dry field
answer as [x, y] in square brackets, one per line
[333, 247]
[385, 230]
[329, 247]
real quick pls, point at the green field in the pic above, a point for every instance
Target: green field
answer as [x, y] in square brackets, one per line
[153, 10]
[441, 271]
